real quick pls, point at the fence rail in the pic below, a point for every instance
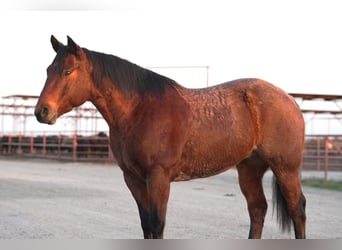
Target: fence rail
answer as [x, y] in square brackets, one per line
[321, 152]
[71, 147]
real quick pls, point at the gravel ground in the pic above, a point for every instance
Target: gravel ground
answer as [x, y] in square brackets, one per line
[44, 200]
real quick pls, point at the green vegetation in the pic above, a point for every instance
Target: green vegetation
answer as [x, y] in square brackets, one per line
[331, 185]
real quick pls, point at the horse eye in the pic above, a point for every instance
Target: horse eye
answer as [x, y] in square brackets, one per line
[67, 72]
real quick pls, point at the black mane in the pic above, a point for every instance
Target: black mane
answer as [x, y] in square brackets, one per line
[127, 76]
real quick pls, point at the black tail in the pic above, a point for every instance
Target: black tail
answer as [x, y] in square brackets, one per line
[283, 217]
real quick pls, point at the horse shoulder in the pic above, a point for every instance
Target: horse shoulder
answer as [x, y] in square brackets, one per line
[153, 134]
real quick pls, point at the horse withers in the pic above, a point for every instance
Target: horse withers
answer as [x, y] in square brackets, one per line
[162, 132]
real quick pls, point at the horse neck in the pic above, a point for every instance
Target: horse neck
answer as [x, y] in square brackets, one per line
[112, 104]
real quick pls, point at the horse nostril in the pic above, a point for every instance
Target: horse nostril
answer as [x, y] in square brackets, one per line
[44, 112]
[41, 113]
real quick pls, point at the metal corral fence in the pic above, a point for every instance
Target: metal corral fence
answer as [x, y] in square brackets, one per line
[322, 152]
[62, 146]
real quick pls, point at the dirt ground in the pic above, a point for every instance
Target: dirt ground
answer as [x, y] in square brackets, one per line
[44, 200]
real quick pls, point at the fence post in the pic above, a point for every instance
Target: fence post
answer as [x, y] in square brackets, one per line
[318, 153]
[20, 140]
[326, 159]
[10, 143]
[44, 144]
[74, 147]
[32, 144]
[110, 152]
[59, 145]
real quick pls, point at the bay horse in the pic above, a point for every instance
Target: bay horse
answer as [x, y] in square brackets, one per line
[162, 132]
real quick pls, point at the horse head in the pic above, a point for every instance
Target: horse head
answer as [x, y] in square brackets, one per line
[68, 82]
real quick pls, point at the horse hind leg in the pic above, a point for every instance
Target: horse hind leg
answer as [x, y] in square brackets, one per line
[290, 201]
[251, 172]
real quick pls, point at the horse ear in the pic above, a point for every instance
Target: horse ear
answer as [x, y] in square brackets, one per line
[56, 45]
[74, 48]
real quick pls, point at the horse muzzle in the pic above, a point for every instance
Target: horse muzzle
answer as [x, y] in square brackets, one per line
[46, 114]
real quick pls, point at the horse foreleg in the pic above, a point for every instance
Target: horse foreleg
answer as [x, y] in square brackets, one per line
[251, 172]
[158, 187]
[138, 189]
[151, 196]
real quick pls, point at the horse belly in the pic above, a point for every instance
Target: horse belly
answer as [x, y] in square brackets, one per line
[211, 158]
[200, 172]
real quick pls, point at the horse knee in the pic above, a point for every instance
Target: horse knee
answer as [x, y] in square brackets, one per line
[298, 211]
[257, 211]
[302, 206]
[151, 223]
[157, 224]
[302, 202]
